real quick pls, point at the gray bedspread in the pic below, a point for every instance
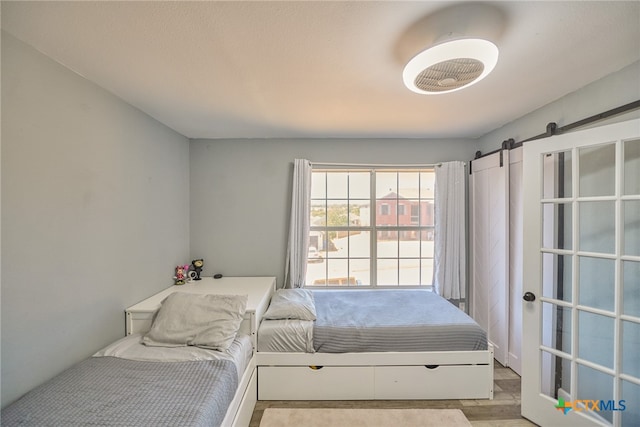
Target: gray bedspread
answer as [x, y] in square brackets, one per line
[108, 391]
[392, 320]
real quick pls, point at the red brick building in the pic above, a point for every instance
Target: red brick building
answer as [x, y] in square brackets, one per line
[395, 209]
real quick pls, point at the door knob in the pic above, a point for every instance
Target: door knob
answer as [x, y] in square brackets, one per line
[529, 296]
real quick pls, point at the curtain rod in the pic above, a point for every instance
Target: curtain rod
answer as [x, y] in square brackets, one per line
[372, 165]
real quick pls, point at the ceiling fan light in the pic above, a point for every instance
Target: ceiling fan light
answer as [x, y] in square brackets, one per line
[450, 66]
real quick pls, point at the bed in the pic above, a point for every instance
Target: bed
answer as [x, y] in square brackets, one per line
[371, 344]
[153, 378]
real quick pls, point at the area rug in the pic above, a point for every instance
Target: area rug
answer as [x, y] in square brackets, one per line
[329, 417]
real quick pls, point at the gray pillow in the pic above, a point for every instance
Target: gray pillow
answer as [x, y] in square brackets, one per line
[292, 304]
[208, 321]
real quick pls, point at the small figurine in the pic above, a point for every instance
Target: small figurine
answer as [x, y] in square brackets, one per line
[180, 277]
[197, 267]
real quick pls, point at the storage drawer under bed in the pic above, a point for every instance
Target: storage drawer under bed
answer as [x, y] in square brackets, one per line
[307, 383]
[375, 382]
[439, 382]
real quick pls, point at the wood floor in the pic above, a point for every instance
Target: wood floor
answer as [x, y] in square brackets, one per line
[502, 411]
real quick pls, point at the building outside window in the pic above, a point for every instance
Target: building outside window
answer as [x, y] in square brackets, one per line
[355, 245]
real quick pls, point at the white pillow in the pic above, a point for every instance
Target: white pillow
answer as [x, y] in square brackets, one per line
[292, 304]
[208, 321]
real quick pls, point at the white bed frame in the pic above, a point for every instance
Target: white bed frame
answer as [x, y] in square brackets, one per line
[244, 401]
[241, 408]
[240, 411]
[375, 376]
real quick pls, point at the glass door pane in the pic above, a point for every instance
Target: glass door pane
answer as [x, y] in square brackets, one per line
[597, 170]
[597, 226]
[632, 167]
[557, 182]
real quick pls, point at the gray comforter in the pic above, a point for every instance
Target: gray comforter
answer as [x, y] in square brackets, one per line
[108, 391]
[392, 320]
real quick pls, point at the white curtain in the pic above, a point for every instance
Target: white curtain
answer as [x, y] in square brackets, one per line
[298, 247]
[449, 276]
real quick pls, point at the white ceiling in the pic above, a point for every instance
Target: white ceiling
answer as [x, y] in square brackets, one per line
[325, 69]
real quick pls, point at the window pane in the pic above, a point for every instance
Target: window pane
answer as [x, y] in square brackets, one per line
[387, 272]
[337, 185]
[557, 175]
[591, 385]
[595, 338]
[409, 184]
[631, 414]
[318, 213]
[427, 244]
[404, 206]
[315, 255]
[556, 276]
[426, 273]
[337, 272]
[632, 167]
[409, 244]
[597, 282]
[337, 213]
[426, 213]
[354, 212]
[359, 185]
[556, 376]
[556, 225]
[409, 271]
[387, 244]
[597, 170]
[318, 185]
[631, 227]
[386, 183]
[427, 185]
[386, 212]
[338, 245]
[597, 226]
[318, 241]
[630, 346]
[557, 331]
[415, 213]
[361, 212]
[359, 244]
[631, 286]
[316, 273]
[359, 269]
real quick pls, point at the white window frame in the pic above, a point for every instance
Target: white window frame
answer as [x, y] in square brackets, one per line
[374, 229]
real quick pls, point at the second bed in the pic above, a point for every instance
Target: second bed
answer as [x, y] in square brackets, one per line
[371, 344]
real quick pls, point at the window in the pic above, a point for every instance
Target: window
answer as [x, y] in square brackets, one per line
[371, 227]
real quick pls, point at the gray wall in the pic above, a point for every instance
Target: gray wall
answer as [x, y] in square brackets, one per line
[614, 90]
[241, 192]
[96, 205]
[95, 215]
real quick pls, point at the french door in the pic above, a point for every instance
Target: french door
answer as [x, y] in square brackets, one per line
[581, 308]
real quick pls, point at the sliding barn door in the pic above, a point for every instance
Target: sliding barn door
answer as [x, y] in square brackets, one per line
[489, 189]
